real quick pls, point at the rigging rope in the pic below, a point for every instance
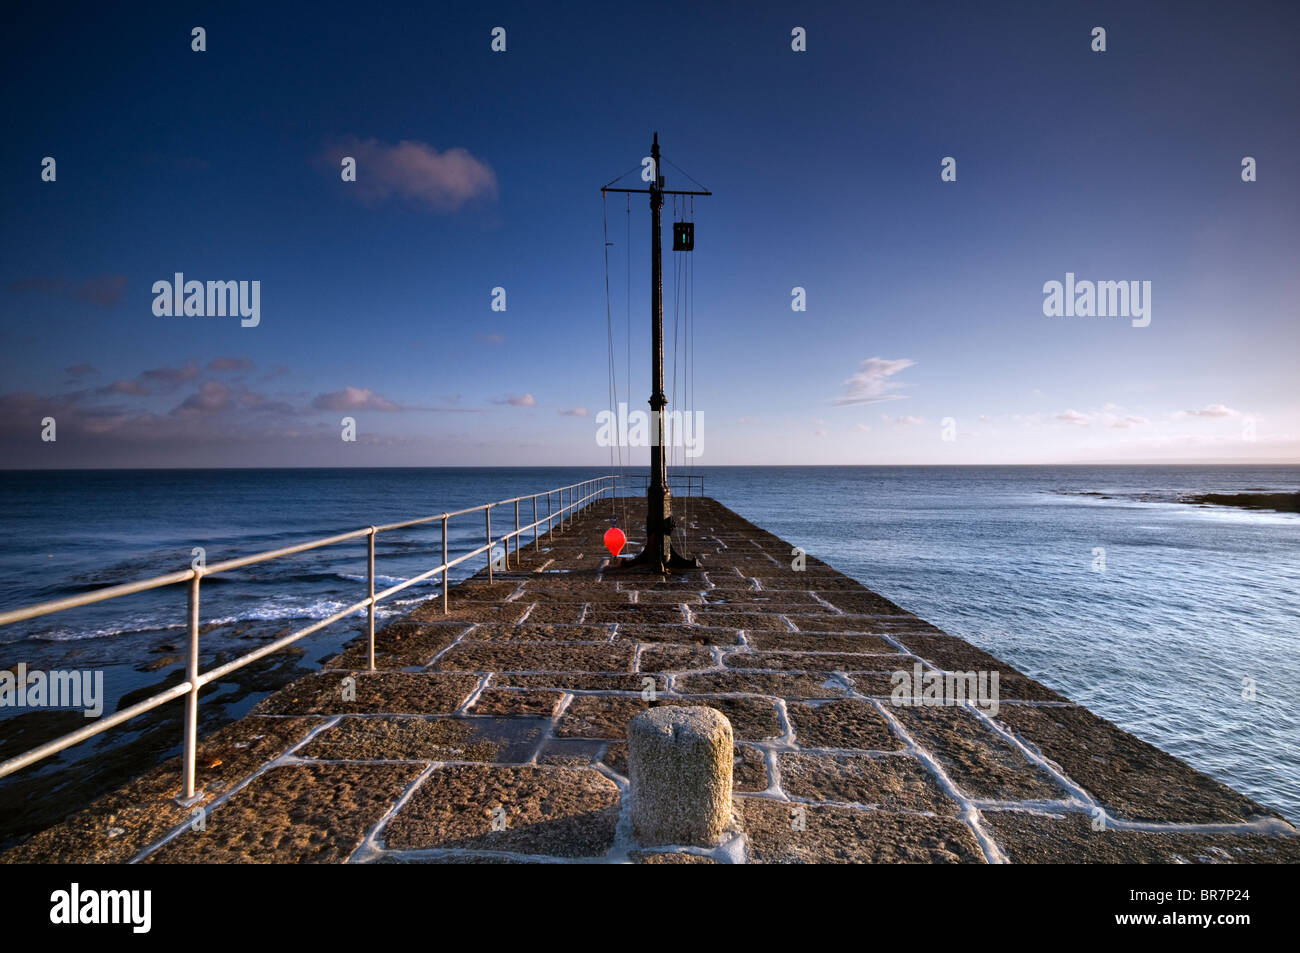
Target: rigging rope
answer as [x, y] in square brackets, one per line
[671, 449]
[690, 363]
[682, 278]
[688, 278]
[613, 379]
[664, 158]
[677, 293]
[628, 379]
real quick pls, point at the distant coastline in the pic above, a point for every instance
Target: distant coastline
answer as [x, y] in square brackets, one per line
[1282, 502]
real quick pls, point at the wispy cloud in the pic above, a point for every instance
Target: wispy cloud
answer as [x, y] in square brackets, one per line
[209, 415]
[907, 420]
[574, 412]
[1210, 410]
[211, 396]
[517, 400]
[106, 291]
[1111, 415]
[363, 398]
[263, 404]
[1073, 417]
[1117, 419]
[442, 181]
[170, 377]
[132, 388]
[230, 364]
[280, 370]
[353, 398]
[872, 382]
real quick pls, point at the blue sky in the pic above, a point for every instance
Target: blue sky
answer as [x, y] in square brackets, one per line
[479, 169]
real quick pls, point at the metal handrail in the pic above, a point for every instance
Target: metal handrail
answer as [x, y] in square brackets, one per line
[691, 480]
[579, 497]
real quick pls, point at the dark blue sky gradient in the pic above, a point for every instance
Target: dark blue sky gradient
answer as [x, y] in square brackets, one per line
[825, 165]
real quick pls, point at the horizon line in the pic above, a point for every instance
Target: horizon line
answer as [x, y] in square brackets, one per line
[621, 471]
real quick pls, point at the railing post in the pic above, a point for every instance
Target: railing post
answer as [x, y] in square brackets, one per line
[487, 511]
[516, 532]
[192, 701]
[444, 564]
[370, 573]
[536, 533]
[550, 523]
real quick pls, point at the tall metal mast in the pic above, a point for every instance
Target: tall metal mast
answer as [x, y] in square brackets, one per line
[659, 554]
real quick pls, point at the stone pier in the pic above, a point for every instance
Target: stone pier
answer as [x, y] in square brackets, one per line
[498, 733]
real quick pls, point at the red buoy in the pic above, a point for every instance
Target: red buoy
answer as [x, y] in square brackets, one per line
[615, 540]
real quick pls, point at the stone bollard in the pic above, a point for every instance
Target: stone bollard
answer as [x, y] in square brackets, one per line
[679, 764]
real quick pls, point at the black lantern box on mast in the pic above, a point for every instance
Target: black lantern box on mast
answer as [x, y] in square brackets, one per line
[683, 236]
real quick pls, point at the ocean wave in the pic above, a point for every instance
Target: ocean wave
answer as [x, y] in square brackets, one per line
[277, 612]
[320, 609]
[136, 626]
[380, 581]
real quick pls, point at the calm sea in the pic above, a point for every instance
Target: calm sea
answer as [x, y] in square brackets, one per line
[1191, 601]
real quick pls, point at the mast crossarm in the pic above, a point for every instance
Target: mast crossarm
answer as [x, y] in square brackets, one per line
[660, 191]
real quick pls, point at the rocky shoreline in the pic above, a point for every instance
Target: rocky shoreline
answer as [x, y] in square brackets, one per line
[1281, 502]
